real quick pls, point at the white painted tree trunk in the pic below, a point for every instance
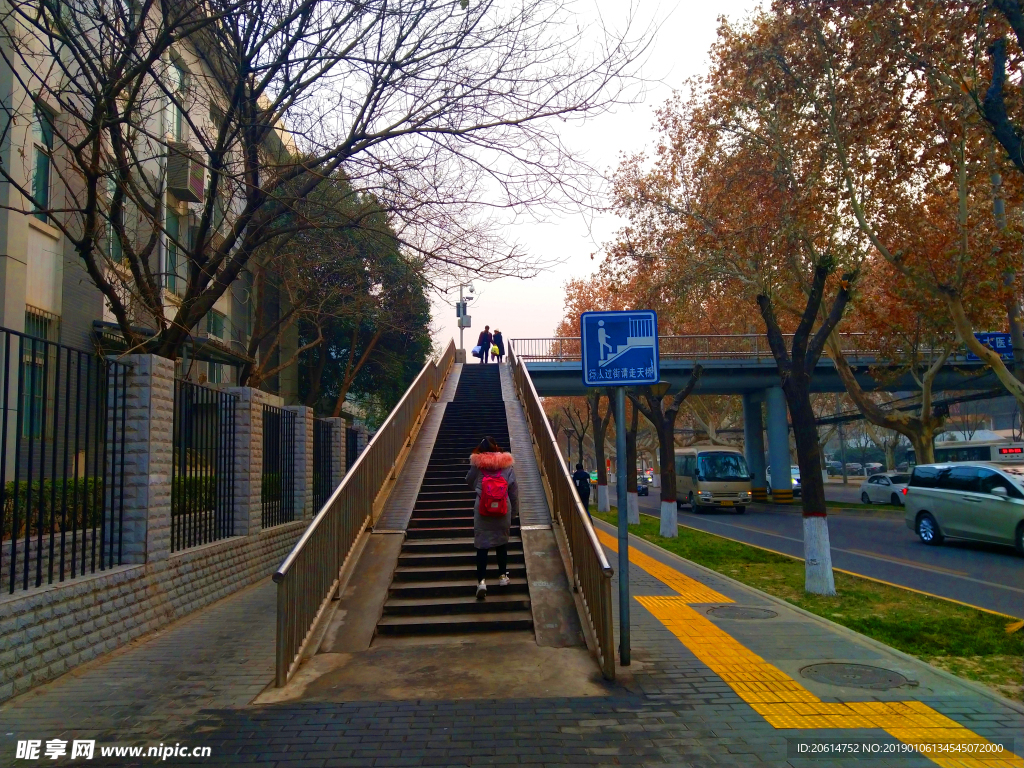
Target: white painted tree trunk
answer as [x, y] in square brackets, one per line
[632, 508]
[818, 578]
[669, 520]
[602, 499]
[656, 483]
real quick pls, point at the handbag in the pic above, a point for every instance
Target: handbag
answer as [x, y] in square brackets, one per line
[476, 351]
[494, 350]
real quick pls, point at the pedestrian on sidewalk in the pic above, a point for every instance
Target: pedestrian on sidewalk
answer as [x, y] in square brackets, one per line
[581, 479]
[499, 342]
[492, 476]
[484, 342]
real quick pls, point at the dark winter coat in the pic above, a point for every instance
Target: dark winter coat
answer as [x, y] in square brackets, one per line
[581, 479]
[499, 343]
[489, 531]
[484, 342]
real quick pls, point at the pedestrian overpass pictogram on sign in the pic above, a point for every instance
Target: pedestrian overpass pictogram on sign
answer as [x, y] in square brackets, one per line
[619, 348]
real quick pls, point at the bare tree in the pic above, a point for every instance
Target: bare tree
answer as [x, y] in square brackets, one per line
[662, 413]
[224, 115]
[579, 422]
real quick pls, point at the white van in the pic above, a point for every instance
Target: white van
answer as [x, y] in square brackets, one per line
[712, 476]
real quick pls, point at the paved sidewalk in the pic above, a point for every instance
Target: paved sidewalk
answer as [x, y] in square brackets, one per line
[192, 683]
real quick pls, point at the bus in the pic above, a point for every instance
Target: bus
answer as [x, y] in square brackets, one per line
[712, 476]
[974, 450]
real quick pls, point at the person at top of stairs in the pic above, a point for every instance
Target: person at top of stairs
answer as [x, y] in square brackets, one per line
[489, 465]
[484, 341]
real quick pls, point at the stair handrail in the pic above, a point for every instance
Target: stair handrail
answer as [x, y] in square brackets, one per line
[309, 575]
[592, 573]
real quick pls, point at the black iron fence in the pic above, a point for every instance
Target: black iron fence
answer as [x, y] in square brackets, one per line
[202, 478]
[277, 491]
[61, 461]
[323, 462]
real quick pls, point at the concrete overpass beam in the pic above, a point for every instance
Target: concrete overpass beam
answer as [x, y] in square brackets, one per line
[753, 441]
[778, 445]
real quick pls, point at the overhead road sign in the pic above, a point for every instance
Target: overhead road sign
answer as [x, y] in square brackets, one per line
[998, 342]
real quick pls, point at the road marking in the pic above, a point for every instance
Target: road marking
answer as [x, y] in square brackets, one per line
[782, 701]
[962, 575]
[850, 573]
[901, 561]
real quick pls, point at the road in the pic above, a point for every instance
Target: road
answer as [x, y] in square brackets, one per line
[880, 545]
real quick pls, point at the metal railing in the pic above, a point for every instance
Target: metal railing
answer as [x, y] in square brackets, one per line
[202, 474]
[592, 572]
[745, 346]
[61, 461]
[310, 573]
[277, 488]
[323, 461]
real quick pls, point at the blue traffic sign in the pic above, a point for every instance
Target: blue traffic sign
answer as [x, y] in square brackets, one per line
[620, 348]
[998, 342]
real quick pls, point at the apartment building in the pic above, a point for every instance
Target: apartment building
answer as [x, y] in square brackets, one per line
[45, 289]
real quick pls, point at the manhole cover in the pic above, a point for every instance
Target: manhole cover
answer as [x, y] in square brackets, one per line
[855, 676]
[741, 612]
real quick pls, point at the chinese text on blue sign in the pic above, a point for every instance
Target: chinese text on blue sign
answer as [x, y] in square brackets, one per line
[619, 348]
[999, 342]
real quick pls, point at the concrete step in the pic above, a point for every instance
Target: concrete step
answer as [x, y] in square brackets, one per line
[440, 544]
[433, 514]
[450, 572]
[455, 623]
[446, 559]
[455, 605]
[465, 532]
[455, 588]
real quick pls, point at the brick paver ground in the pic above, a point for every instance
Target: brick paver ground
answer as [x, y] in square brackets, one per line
[192, 683]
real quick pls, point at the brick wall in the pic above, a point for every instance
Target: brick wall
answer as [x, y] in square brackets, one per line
[47, 632]
[50, 630]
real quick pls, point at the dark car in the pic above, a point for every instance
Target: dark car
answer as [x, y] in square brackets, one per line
[642, 489]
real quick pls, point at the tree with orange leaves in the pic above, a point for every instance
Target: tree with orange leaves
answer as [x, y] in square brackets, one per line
[889, 90]
[740, 203]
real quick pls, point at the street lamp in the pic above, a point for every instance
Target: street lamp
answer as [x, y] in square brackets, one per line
[465, 321]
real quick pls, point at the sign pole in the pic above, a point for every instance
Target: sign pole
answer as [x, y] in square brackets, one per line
[620, 495]
[619, 349]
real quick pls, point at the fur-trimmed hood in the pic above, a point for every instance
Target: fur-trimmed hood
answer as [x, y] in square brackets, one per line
[491, 462]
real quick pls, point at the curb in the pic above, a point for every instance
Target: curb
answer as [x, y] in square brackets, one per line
[845, 631]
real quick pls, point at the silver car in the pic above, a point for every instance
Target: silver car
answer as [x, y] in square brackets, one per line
[885, 488]
[976, 500]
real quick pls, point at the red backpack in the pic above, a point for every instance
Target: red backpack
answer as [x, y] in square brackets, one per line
[494, 495]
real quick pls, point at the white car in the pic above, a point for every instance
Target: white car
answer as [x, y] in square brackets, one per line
[794, 472]
[885, 488]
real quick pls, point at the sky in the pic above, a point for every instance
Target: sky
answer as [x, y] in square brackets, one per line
[533, 307]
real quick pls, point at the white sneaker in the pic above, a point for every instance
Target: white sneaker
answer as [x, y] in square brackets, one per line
[481, 590]
[504, 580]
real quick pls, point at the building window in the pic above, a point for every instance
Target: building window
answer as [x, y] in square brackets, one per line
[42, 147]
[215, 323]
[177, 87]
[40, 327]
[177, 232]
[215, 373]
[116, 253]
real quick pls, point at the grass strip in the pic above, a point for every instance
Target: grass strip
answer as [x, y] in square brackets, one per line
[969, 643]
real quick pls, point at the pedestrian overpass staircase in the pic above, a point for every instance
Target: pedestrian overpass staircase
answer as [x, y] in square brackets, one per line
[410, 482]
[434, 586]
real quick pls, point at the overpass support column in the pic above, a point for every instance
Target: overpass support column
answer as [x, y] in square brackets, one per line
[778, 446]
[753, 441]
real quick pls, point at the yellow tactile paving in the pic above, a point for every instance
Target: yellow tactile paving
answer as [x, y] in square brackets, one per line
[692, 590]
[780, 699]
